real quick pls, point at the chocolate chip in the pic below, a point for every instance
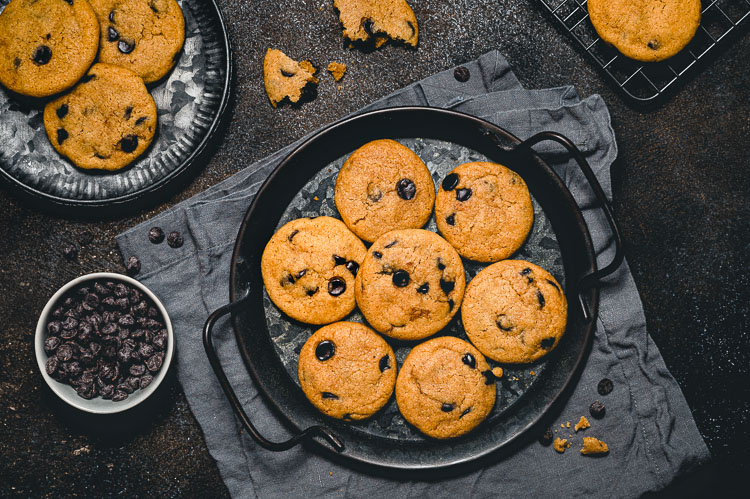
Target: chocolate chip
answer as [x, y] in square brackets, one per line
[553, 283]
[446, 407]
[546, 438]
[42, 55]
[301, 273]
[377, 254]
[406, 189]
[62, 134]
[451, 304]
[311, 291]
[325, 350]
[129, 143]
[329, 395]
[447, 286]
[525, 271]
[401, 278]
[605, 386]
[69, 2]
[128, 112]
[547, 343]
[111, 16]
[62, 111]
[113, 35]
[374, 194]
[540, 297]
[597, 410]
[156, 235]
[140, 120]
[368, 26]
[133, 266]
[336, 286]
[17, 62]
[352, 267]
[391, 244]
[153, 6]
[291, 236]
[654, 44]
[451, 219]
[469, 360]
[440, 264]
[504, 323]
[385, 362]
[424, 288]
[467, 411]
[489, 378]
[125, 46]
[174, 239]
[339, 260]
[463, 194]
[70, 252]
[287, 279]
[461, 74]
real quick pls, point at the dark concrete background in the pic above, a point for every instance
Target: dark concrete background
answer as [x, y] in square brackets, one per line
[681, 197]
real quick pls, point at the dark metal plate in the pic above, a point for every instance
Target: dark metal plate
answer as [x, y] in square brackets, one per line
[303, 186]
[191, 102]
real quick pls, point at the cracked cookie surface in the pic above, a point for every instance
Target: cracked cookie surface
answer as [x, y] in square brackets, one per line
[308, 268]
[445, 387]
[646, 30]
[105, 122]
[46, 46]
[514, 311]
[347, 370]
[377, 21]
[285, 78]
[384, 186]
[484, 210]
[145, 36]
[411, 284]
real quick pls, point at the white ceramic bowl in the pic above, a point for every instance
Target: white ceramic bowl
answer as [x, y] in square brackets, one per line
[98, 405]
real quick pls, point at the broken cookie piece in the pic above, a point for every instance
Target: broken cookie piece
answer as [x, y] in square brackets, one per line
[286, 78]
[337, 69]
[593, 447]
[582, 424]
[560, 444]
[378, 20]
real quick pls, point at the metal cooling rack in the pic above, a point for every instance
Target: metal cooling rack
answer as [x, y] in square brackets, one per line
[646, 82]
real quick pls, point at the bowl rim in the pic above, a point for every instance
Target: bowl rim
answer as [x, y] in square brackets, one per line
[73, 399]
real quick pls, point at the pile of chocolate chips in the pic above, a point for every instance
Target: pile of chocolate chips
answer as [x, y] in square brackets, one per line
[105, 338]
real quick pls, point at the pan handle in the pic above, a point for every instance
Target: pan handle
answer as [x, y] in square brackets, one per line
[595, 277]
[307, 434]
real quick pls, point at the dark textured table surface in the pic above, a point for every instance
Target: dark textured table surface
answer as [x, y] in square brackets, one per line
[681, 197]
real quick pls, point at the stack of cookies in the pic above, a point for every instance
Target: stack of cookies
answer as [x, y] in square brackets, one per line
[409, 285]
[107, 118]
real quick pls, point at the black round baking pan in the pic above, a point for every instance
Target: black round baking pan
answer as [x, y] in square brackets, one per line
[192, 105]
[302, 186]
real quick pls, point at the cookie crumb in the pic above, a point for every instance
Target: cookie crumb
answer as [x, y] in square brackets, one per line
[560, 444]
[498, 372]
[337, 69]
[316, 198]
[330, 473]
[532, 373]
[562, 425]
[593, 447]
[285, 78]
[338, 88]
[567, 425]
[582, 424]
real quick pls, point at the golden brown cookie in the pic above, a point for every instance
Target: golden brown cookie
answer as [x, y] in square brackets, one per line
[145, 36]
[46, 46]
[514, 311]
[378, 20]
[484, 210]
[445, 387]
[286, 78]
[308, 268]
[347, 370]
[105, 122]
[411, 284]
[384, 186]
[646, 30]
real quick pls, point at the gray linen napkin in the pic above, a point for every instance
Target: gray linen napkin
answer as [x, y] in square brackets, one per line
[649, 429]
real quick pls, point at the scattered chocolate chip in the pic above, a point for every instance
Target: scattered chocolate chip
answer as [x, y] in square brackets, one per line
[140, 120]
[463, 194]
[401, 278]
[156, 235]
[287, 74]
[540, 297]
[325, 350]
[133, 266]
[174, 239]
[447, 286]
[377, 254]
[374, 194]
[291, 236]
[605, 386]
[440, 264]
[450, 182]
[112, 34]
[406, 189]
[125, 46]
[525, 271]
[597, 410]
[336, 286]
[385, 362]
[547, 343]
[546, 438]
[129, 143]
[451, 219]
[467, 411]
[70, 252]
[352, 267]
[311, 291]
[424, 288]
[461, 74]
[62, 111]
[128, 112]
[654, 44]
[489, 378]
[301, 274]
[469, 360]
[42, 55]
[111, 16]
[17, 62]
[62, 135]
[329, 395]
[391, 244]
[446, 407]
[339, 260]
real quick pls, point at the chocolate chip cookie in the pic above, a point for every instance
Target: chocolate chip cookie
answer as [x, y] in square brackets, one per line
[378, 21]
[514, 311]
[145, 36]
[445, 387]
[484, 210]
[347, 370]
[46, 46]
[285, 78]
[646, 30]
[411, 284]
[105, 122]
[308, 268]
[384, 186]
